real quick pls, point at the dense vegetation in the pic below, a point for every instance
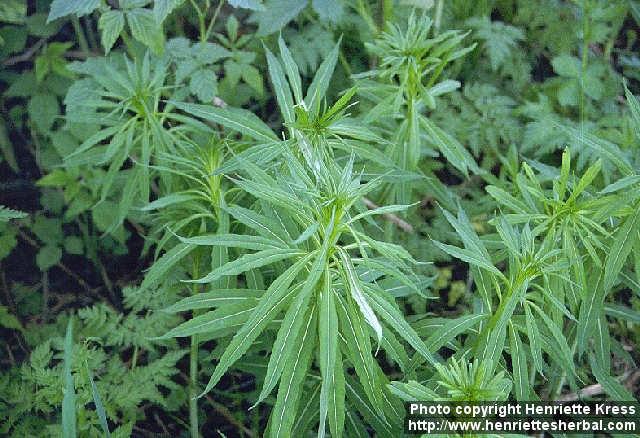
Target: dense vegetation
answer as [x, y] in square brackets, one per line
[287, 217]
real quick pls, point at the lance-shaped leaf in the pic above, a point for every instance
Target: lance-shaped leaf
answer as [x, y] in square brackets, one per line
[69, 398]
[355, 288]
[165, 263]
[270, 304]
[327, 334]
[392, 316]
[243, 121]
[217, 320]
[292, 379]
[219, 297]
[321, 80]
[248, 262]
[623, 241]
[520, 370]
[245, 241]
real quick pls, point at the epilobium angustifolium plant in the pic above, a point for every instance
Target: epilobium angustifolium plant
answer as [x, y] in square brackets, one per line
[286, 218]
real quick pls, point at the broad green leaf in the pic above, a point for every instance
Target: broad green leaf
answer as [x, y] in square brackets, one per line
[237, 119]
[110, 26]
[276, 14]
[62, 8]
[162, 9]
[204, 84]
[145, 29]
[13, 11]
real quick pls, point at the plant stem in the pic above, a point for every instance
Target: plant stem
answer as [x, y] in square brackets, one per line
[584, 63]
[193, 376]
[438, 16]
[213, 20]
[82, 40]
[193, 368]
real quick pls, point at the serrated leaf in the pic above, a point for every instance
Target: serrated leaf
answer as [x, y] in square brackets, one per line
[110, 26]
[276, 14]
[248, 262]
[162, 9]
[519, 366]
[145, 29]
[62, 8]
[272, 301]
[219, 297]
[318, 88]
[230, 315]
[237, 119]
[166, 262]
[204, 85]
[623, 241]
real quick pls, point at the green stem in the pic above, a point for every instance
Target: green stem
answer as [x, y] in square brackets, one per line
[438, 16]
[363, 11]
[82, 39]
[213, 20]
[201, 22]
[584, 63]
[193, 368]
[193, 396]
[387, 13]
[91, 35]
[128, 43]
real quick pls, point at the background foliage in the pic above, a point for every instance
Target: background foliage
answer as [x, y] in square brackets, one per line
[285, 217]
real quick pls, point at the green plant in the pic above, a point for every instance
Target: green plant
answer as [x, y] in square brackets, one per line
[408, 212]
